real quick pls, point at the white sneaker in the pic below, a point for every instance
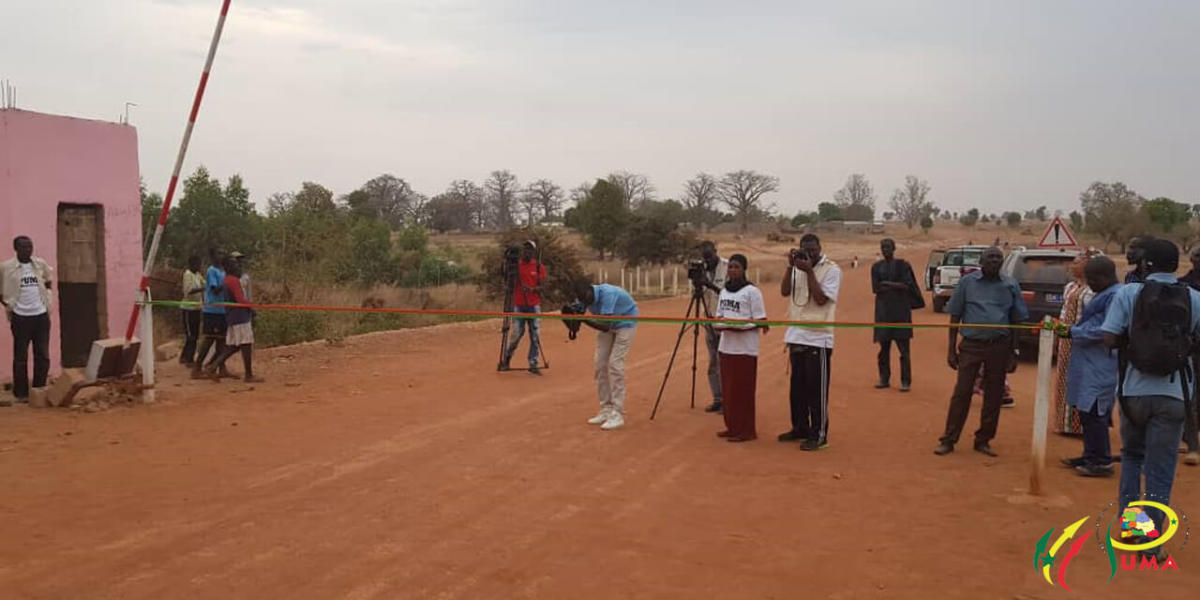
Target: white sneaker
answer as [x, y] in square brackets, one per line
[600, 418]
[616, 421]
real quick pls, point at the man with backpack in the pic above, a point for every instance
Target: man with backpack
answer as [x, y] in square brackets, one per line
[1153, 324]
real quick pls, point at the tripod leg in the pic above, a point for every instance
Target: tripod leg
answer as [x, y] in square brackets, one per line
[541, 348]
[701, 312]
[671, 363]
[503, 343]
[695, 347]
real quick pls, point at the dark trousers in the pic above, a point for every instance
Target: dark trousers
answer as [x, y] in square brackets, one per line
[885, 360]
[739, 377]
[809, 394]
[992, 356]
[712, 340]
[1096, 449]
[27, 330]
[191, 333]
[1150, 430]
[1191, 416]
[1191, 429]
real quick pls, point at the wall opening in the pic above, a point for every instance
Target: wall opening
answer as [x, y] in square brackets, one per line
[82, 308]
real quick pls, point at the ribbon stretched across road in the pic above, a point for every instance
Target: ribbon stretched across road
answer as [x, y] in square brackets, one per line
[479, 314]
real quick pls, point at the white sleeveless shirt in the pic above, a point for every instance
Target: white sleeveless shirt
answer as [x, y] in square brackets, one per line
[801, 306]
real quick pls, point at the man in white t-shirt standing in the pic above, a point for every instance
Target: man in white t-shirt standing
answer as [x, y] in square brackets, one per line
[811, 285]
[26, 296]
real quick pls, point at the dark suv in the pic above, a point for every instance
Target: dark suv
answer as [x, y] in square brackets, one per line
[1042, 275]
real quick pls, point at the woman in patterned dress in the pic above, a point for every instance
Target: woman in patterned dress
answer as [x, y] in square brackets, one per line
[1075, 296]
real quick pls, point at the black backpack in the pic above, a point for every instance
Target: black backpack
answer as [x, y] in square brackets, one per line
[1160, 333]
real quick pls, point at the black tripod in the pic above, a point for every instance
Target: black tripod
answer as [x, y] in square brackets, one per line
[697, 308]
[510, 284]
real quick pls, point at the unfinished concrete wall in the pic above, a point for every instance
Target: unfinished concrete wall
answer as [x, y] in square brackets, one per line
[48, 161]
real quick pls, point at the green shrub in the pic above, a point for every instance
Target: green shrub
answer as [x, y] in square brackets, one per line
[283, 328]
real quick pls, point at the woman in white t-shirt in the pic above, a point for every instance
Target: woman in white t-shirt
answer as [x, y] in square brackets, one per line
[739, 301]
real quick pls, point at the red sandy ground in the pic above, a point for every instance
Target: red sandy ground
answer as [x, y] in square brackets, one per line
[401, 465]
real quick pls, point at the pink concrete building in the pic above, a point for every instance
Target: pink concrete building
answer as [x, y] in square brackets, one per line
[72, 185]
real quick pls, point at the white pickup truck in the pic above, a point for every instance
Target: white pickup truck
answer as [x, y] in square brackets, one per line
[946, 267]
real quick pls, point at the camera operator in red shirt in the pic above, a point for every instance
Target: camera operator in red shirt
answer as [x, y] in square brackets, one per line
[527, 298]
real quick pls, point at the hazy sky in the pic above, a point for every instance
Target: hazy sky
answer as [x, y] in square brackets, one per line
[999, 105]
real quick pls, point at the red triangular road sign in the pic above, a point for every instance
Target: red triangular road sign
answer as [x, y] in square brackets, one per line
[1057, 235]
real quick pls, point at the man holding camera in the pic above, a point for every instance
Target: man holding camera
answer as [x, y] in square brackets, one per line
[716, 269]
[811, 284]
[527, 298]
[613, 340]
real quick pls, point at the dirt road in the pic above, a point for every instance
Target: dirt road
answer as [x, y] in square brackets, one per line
[401, 465]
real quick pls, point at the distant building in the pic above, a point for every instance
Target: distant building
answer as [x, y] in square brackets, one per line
[72, 185]
[844, 226]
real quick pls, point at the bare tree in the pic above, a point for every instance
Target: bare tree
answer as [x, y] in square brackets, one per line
[502, 188]
[579, 193]
[546, 197]
[742, 192]
[471, 197]
[636, 188]
[417, 211]
[909, 202]
[387, 197]
[700, 196]
[856, 199]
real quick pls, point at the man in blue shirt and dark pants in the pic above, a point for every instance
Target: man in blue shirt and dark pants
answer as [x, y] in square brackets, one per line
[213, 318]
[984, 297]
[1152, 405]
[613, 340]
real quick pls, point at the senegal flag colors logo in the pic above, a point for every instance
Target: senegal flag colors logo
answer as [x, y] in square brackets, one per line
[1136, 532]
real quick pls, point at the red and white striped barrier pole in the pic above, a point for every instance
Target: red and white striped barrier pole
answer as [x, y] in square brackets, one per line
[148, 266]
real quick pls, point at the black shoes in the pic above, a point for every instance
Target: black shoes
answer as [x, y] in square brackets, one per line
[1071, 463]
[715, 407]
[790, 436]
[882, 385]
[534, 370]
[1008, 403]
[944, 449]
[1088, 470]
[904, 387]
[813, 445]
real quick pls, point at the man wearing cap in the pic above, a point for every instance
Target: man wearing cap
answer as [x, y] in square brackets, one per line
[244, 280]
[527, 298]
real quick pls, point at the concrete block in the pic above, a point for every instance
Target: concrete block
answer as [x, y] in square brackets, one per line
[57, 392]
[167, 351]
[111, 358]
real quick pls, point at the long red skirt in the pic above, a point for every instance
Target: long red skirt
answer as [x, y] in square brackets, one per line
[739, 376]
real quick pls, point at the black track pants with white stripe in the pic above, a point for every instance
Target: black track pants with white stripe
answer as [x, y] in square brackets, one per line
[810, 391]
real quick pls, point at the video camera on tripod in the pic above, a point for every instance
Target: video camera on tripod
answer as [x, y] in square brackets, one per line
[697, 272]
[512, 256]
